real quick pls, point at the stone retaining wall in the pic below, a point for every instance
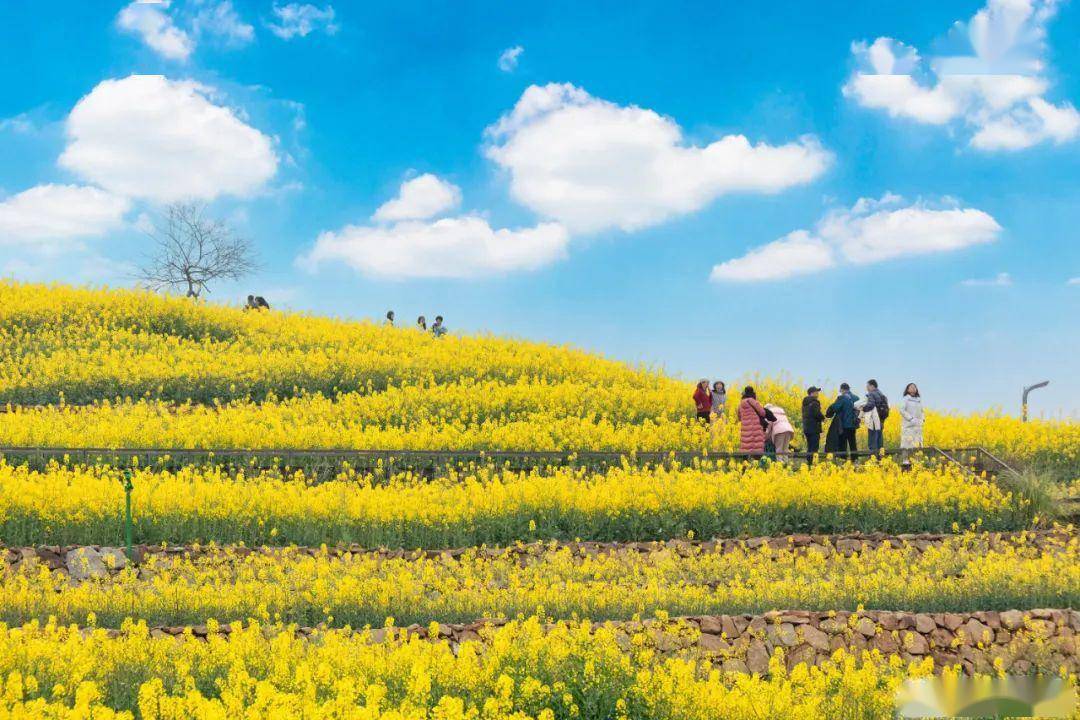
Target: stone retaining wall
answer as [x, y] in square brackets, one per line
[95, 560]
[1017, 642]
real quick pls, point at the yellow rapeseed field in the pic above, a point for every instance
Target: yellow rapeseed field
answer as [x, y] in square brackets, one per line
[524, 673]
[82, 505]
[961, 574]
[139, 370]
[114, 368]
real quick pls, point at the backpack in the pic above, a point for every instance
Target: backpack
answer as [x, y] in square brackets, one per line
[883, 409]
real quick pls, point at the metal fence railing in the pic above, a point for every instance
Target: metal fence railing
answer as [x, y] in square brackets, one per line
[323, 463]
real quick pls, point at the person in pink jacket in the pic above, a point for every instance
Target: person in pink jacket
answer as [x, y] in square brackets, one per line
[780, 432]
[751, 418]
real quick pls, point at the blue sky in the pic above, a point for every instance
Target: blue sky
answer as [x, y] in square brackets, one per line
[831, 190]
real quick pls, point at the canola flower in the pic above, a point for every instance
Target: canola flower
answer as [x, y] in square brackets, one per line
[961, 574]
[131, 369]
[83, 505]
[522, 672]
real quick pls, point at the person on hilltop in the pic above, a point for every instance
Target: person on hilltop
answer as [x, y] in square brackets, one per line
[256, 302]
[779, 431]
[703, 401]
[421, 323]
[812, 419]
[844, 410]
[911, 422]
[437, 327]
[752, 421]
[718, 407]
[390, 318]
[875, 404]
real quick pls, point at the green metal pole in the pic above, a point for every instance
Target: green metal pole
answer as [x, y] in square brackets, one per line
[127, 514]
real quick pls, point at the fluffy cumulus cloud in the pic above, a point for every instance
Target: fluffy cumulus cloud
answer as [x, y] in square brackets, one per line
[152, 22]
[994, 89]
[146, 136]
[458, 247]
[47, 215]
[591, 164]
[302, 19]
[798, 253]
[418, 199]
[408, 243]
[1003, 279]
[173, 31]
[508, 60]
[871, 231]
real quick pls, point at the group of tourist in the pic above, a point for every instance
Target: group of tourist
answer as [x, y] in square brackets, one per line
[766, 429]
[438, 329]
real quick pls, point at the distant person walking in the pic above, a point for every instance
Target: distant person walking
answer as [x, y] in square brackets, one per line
[875, 404]
[844, 409]
[390, 318]
[780, 431]
[703, 401]
[812, 419]
[911, 422]
[752, 422]
[718, 407]
[421, 322]
[437, 327]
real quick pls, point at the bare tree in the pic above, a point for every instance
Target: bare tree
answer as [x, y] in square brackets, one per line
[194, 250]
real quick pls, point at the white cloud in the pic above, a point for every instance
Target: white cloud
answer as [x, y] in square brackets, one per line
[797, 253]
[1074, 281]
[592, 164]
[459, 247]
[222, 20]
[418, 199]
[301, 20]
[995, 91]
[151, 22]
[870, 231]
[47, 215]
[508, 60]
[146, 136]
[1000, 280]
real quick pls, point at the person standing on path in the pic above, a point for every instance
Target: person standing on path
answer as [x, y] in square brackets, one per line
[911, 422]
[812, 418]
[844, 408]
[703, 401]
[718, 408]
[875, 402]
[752, 422]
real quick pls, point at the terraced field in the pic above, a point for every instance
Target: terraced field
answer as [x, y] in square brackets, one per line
[704, 589]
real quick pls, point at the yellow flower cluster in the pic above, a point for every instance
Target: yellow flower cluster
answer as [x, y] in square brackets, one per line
[139, 370]
[89, 345]
[524, 673]
[961, 574]
[83, 505]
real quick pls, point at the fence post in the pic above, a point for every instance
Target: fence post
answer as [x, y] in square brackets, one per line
[128, 487]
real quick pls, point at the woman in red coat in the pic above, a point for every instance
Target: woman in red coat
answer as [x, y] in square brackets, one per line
[751, 433]
[703, 401]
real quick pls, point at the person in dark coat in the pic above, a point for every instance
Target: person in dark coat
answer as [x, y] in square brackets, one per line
[812, 419]
[844, 410]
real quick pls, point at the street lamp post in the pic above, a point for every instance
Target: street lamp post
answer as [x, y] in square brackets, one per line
[1027, 391]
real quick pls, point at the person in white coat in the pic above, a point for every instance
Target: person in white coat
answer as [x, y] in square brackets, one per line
[870, 418]
[780, 432]
[911, 421]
